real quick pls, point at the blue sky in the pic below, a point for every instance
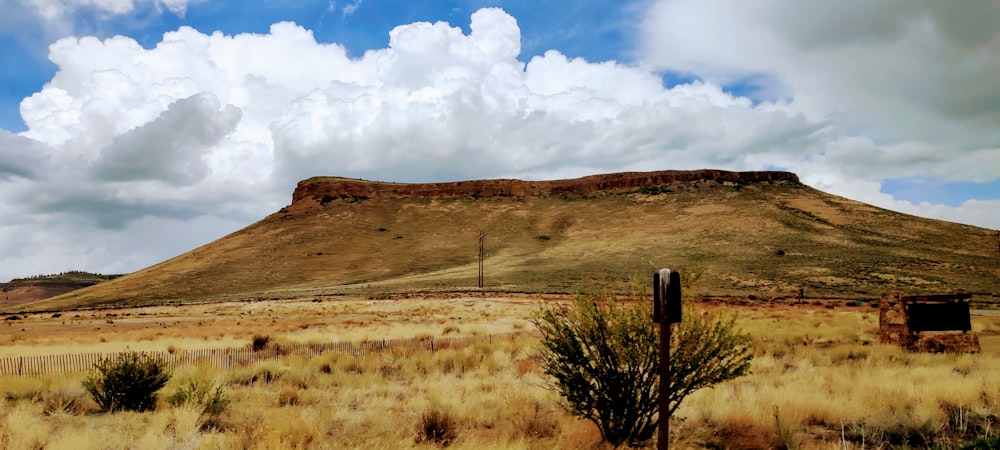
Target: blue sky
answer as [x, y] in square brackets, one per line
[154, 139]
[595, 30]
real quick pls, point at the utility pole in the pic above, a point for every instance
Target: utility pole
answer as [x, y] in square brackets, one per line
[482, 256]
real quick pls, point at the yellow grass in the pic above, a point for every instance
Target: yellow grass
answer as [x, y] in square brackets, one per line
[360, 403]
[819, 380]
[233, 324]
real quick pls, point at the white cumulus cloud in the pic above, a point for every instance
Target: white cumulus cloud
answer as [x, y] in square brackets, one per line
[909, 88]
[126, 145]
[172, 147]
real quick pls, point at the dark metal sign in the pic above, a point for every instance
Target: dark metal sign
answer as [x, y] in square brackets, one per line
[949, 316]
[667, 296]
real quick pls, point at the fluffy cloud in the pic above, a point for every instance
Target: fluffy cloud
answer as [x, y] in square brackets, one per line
[450, 106]
[209, 131]
[909, 88]
[895, 71]
[172, 147]
[21, 157]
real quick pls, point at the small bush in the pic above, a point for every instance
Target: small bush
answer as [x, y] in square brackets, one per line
[436, 426]
[128, 382]
[212, 399]
[288, 397]
[603, 359]
[654, 190]
[263, 373]
[540, 424]
[983, 443]
[64, 401]
[259, 342]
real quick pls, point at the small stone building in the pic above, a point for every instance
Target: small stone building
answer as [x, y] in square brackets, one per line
[930, 323]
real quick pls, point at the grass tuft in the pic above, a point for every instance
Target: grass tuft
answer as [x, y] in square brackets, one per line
[436, 426]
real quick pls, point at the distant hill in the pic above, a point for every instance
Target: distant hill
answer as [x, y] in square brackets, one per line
[19, 291]
[745, 233]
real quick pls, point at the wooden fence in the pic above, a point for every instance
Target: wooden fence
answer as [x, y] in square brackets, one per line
[227, 358]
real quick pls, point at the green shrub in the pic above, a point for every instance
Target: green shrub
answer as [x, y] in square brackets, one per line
[212, 399]
[127, 382]
[604, 358]
[983, 443]
[654, 190]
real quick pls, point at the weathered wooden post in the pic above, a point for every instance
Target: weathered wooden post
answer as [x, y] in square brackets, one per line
[666, 312]
[482, 257]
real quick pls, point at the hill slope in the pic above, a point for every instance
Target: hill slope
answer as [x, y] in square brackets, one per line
[760, 233]
[27, 290]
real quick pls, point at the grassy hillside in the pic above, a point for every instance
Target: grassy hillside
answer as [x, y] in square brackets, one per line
[32, 289]
[767, 239]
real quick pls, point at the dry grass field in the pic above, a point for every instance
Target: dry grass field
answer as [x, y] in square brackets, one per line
[819, 380]
[212, 325]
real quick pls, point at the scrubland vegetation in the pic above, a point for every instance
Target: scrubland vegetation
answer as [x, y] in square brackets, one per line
[818, 379]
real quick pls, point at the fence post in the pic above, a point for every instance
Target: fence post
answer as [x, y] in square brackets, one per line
[666, 312]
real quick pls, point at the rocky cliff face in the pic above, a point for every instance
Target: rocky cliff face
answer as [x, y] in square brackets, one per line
[325, 189]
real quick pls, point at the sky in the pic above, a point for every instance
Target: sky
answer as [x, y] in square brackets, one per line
[132, 131]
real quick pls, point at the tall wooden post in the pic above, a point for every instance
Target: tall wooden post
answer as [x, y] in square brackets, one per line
[482, 257]
[666, 312]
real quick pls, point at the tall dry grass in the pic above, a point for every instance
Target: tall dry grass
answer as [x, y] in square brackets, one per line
[819, 380]
[335, 400]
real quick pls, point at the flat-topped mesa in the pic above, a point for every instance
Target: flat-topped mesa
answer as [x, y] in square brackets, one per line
[323, 189]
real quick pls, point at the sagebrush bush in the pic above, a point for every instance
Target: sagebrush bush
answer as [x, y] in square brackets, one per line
[604, 360]
[127, 382]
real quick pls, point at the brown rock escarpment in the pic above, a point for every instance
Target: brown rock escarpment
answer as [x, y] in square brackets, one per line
[320, 188]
